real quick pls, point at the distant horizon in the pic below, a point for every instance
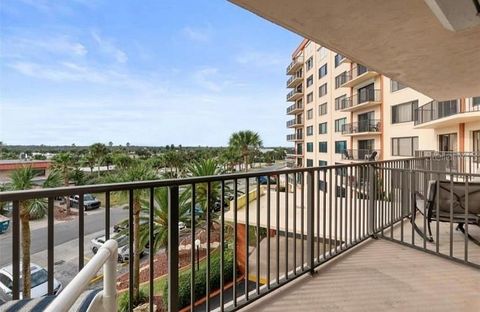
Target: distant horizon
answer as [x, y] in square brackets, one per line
[95, 72]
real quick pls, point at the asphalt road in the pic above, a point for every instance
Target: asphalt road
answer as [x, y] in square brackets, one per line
[63, 232]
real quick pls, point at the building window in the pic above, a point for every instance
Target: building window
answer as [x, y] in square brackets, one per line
[309, 63]
[310, 147]
[447, 142]
[322, 90]
[310, 114]
[476, 101]
[339, 124]
[309, 162]
[322, 147]
[476, 144]
[309, 97]
[322, 128]
[404, 112]
[322, 71]
[309, 130]
[405, 146]
[340, 102]
[299, 149]
[338, 59]
[309, 81]
[322, 163]
[340, 146]
[395, 86]
[322, 109]
[340, 80]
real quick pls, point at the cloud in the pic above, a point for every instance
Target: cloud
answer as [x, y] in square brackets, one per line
[29, 47]
[200, 35]
[208, 79]
[259, 59]
[109, 48]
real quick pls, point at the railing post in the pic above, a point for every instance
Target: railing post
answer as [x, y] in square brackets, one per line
[371, 200]
[173, 249]
[310, 221]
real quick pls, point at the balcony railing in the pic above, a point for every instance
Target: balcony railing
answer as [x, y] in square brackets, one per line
[247, 249]
[363, 97]
[435, 110]
[296, 122]
[295, 64]
[362, 126]
[354, 75]
[294, 79]
[294, 108]
[295, 94]
[361, 154]
[295, 137]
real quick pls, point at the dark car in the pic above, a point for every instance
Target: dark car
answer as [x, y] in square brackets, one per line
[264, 180]
[89, 202]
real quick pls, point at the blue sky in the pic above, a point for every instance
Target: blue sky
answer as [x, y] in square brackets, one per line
[145, 72]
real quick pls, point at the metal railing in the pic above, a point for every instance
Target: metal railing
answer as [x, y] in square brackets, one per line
[435, 110]
[294, 107]
[364, 96]
[307, 215]
[456, 162]
[295, 122]
[360, 154]
[294, 137]
[294, 77]
[295, 63]
[356, 71]
[293, 93]
[370, 125]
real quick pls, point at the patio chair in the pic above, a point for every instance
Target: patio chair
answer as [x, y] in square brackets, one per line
[449, 210]
[372, 156]
[347, 155]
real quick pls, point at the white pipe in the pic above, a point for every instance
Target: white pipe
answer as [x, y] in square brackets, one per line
[107, 254]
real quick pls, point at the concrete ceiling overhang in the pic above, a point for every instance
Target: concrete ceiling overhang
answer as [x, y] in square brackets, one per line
[402, 39]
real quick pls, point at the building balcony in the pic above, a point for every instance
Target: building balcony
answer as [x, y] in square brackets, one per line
[361, 154]
[362, 100]
[294, 137]
[296, 122]
[295, 109]
[295, 65]
[310, 216]
[294, 80]
[437, 114]
[357, 75]
[294, 95]
[363, 127]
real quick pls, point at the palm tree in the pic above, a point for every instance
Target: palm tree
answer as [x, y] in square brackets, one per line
[160, 217]
[98, 150]
[110, 144]
[121, 160]
[89, 161]
[201, 168]
[138, 171]
[21, 179]
[63, 162]
[245, 142]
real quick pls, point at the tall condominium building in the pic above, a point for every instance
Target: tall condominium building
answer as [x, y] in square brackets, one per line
[342, 111]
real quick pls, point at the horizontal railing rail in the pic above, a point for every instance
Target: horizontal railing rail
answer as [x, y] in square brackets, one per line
[295, 62]
[365, 96]
[295, 122]
[292, 93]
[370, 125]
[268, 228]
[436, 110]
[292, 78]
[294, 107]
[360, 154]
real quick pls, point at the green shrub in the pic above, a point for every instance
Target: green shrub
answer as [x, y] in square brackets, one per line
[184, 286]
[124, 300]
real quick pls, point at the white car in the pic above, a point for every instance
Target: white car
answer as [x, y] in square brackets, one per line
[39, 278]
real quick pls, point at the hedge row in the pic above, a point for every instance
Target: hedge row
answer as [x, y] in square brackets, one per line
[201, 278]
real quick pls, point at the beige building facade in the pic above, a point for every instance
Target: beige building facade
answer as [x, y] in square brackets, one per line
[341, 111]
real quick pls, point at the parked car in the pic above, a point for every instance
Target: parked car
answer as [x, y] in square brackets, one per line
[264, 180]
[123, 248]
[39, 282]
[122, 226]
[89, 202]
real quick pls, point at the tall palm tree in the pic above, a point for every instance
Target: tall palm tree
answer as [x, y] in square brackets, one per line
[138, 171]
[245, 142]
[160, 217]
[201, 168]
[63, 162]
[99, 151]
[21, 179]
[89, 161]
